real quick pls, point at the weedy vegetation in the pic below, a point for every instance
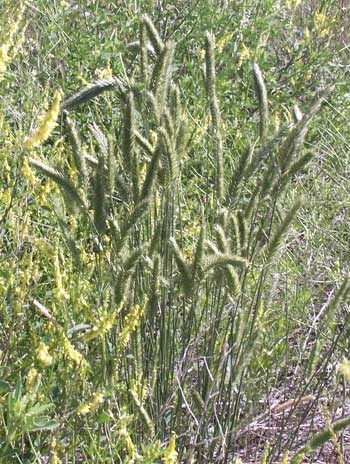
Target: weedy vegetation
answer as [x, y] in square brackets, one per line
[174, 231]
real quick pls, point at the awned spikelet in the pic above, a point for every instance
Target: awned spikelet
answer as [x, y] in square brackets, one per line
[215, 115]
[47, 125]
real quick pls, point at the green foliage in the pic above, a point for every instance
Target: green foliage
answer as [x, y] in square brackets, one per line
[159, 272]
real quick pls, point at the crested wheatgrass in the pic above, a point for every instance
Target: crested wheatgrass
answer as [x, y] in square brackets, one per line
[187, 344]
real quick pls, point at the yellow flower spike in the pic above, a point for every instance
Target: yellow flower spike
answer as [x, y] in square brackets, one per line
[97, 399]
[153, 137]
[105, 73]
[102, 326]
[221, 43]
[8, 40]
[4, 59]
[128, 444]
[48, 123]
[33, 378]
[307, 35]
[28, 172]
[83, 409]
[70, 352]
[292, 4]
[59, 292]
[54, 459]
[321, 22]
[265, 453]
[6, 197]
[244, 55]
[132, 321]
[344, 368]
[92, 405]
[170, 453]
[43, 356]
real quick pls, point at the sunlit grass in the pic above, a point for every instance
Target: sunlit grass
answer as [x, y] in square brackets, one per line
[166, 278]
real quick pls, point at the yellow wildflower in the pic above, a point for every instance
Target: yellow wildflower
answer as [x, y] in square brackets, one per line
[43, 356]
[59, 292]
[96, 400]
[54, 459]
[307, 35]
[105, 73]
[28, 172]
[83, 409]
[33, 378]
[8, 41]
[128, 444]
[220, 44]
[70, 352]
[132, 321]
[292, 4]
[4, 59]
[102, 326]
[73, 223]
[344, 368]
[48, 123]
[143, 171]
[64, 4]
[6, 197]
[285, 457]
[18, 44]
[91, 406]
[170, 453]
[153, 137]
[321, 22]
[244, 55]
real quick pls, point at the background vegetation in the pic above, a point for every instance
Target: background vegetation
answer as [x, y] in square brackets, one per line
[174, 237]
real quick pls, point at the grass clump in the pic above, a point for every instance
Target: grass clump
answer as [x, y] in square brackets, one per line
[147, 311]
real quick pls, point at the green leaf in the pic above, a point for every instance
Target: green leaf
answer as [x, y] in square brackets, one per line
[4, 387]
[38, 409]
[104, 418]
[37, 424]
